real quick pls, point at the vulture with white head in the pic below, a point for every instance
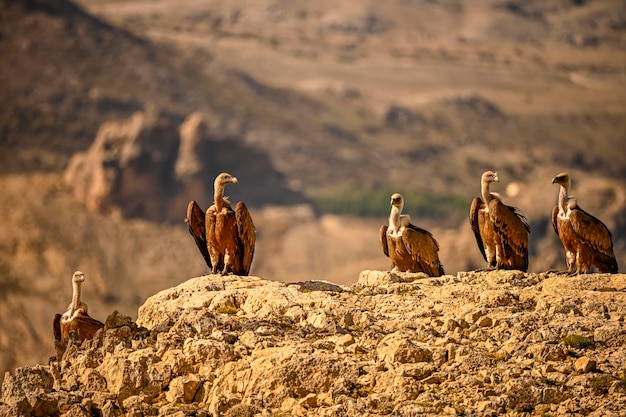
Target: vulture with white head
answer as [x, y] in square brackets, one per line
[501, 231]
[225, 237]
[587, 241]
[75, 320]
[410, 248]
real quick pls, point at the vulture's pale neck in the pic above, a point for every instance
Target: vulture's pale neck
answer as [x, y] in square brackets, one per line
[76, 293]
[564, 196]
[218, 194]
[394, 217]
[484, 191]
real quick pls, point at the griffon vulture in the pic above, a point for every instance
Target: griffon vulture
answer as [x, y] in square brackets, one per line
[225, 237]
[587, 241]
[410, 248]
[75, 319]
[501, 231]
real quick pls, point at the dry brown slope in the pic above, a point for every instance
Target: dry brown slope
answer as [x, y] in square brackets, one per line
[315, 136]
[70, 72]
[45, 238]
[415, 86]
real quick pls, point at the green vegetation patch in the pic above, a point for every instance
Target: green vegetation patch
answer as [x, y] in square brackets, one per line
[578, 341]
[367, 202]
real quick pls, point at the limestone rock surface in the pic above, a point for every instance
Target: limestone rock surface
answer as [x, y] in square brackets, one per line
[479, 343]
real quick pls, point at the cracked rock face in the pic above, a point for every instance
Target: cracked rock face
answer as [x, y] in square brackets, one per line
[480, 343]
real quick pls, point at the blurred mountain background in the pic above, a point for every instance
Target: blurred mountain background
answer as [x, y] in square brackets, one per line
[114, 114]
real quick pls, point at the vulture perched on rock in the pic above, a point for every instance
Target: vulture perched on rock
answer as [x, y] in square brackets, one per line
[410, 248]
[224, 236]
[501, 231]
[587, 241]
[75, 320]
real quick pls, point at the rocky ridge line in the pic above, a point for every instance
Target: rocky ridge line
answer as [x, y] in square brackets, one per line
[479, 343]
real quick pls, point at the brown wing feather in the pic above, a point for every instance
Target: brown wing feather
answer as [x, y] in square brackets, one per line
[210, 224]
[520, 216]
[592, 231]
[382, 238]
[84, 326]
[424, 249]
[477, 203]
[596, 236]
[512, 228]
[555, 216]
[247, 235]
[196, 224]
[56, 326]
[87, 326]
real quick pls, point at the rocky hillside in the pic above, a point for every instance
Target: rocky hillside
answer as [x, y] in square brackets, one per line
[115, 114]
[489, 344]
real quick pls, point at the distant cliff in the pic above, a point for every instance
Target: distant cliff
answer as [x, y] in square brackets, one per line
[479, 343]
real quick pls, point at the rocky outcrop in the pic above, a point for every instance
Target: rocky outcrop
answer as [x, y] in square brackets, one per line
[126, 167]
[479, 343]
[150, 166]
